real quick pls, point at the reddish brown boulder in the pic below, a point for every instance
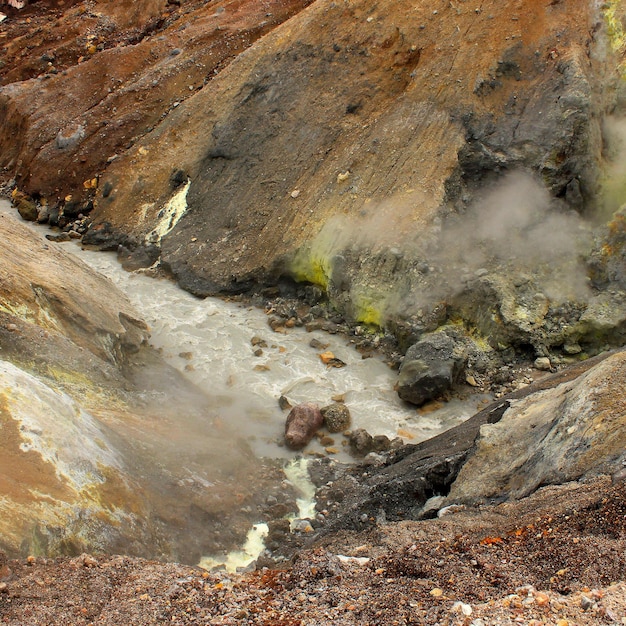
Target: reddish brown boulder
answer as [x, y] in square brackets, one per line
[302, 423]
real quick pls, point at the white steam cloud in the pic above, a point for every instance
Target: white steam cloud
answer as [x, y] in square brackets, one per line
[513, 229]
[517, 226]
[614, 180]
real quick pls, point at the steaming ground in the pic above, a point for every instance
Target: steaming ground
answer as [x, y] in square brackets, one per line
[516, 226]
[513, 229]
[614, 182]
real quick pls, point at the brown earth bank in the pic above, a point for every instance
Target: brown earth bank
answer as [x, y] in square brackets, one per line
[554, 558]
[93, 421]
[83, 81]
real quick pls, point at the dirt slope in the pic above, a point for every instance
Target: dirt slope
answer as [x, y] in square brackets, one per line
[551, 559]
[366, 119]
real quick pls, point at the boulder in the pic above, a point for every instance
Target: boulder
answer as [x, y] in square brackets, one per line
[25, 205]
[430, 368]
[303, 421]
[336, 417]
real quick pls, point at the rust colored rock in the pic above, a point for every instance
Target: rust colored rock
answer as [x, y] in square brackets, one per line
[303, 421]
[107, 76]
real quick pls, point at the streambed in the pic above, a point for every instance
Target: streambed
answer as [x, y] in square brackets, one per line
[201, 472]
[209, 341]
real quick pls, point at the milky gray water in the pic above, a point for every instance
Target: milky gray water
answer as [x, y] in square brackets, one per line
[210, 342]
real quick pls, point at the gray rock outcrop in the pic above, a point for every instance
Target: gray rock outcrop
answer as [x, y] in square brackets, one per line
[266, 164]
[574, 430]
[430, 368]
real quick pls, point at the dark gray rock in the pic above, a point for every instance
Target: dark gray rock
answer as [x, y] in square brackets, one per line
[361, 442]
[140, 257]
[26, 207]
[430, 368]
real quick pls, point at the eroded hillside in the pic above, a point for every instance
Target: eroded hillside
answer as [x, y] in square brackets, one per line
[407, 158]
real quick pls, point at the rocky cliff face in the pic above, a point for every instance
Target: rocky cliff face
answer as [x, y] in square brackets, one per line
[374, 151]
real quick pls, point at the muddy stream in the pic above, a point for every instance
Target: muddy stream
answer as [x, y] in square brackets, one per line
[210, 342]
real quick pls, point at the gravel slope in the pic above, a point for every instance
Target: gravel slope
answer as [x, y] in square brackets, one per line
[557, 557]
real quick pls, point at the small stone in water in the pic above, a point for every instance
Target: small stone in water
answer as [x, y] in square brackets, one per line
[317, 344]
[328, 358]
[336, 417]
[302, 423]
[284, 404]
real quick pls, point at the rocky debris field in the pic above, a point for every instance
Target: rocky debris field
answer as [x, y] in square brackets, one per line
[556, 558]
[348, 169]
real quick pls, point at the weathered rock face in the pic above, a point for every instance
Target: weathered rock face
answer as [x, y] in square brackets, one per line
[430, 368]
[59, 470]
[43, 285]
[283, 151]
[558, 435]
